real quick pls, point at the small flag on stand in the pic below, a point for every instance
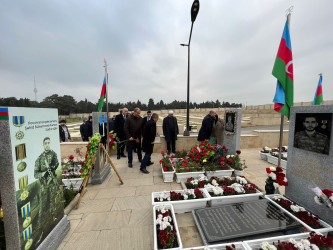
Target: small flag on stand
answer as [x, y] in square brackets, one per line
[283, 72]
[101, 99]
[319, 92]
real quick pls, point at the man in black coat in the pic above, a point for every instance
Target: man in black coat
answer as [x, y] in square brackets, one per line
[133, 131]
[64, 132]
[88, 129]
[119, 132]
[207, 126]
[82, 129]
[145, 120]
[170, 131]
[149, 133]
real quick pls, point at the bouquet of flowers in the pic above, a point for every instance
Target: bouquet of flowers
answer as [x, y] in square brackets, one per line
[167, 234]
[71, 168]
[276, 177]
[323, 197]
[315, 241]
[202, 152]
[299, 212]
[235, 162]
[166, 162]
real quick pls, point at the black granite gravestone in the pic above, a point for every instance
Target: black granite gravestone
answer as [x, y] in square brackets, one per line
[236, 221]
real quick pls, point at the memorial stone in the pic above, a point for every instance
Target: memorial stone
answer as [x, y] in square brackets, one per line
[239, 220]
[233, 119]
[310, 159]
[102, 167]
[30, 180]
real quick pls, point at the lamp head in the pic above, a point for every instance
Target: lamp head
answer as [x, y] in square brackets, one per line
[195, 10]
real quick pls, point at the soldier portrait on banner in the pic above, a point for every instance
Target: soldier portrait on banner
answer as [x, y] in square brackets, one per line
[313, 132]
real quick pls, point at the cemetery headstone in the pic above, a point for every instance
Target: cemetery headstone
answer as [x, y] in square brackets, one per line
[30, 181]
[310, 157]
[102, 166]
[237, 221]
[233, 119]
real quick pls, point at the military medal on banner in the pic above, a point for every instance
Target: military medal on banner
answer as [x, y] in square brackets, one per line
[23, 182]
[20, 152]
[18, 121]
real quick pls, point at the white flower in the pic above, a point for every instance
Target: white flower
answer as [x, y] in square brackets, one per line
[272, 168]
[241, 180]
[214, 182]
[266, 246]
[160, 216]
[267, 148]
[297, 208]
[217, 190]
[232, 156]
[272, 175]
[276, 185]
[238, 188]
[194, 182]
[285, 179]
[208, 186]
[306, 244]
[206, 248]
[228, 156]
[202, 177]
[185, 196]
[314, 247]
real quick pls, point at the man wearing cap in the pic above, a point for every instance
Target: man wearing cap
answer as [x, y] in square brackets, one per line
[170, 131]
[63, 132]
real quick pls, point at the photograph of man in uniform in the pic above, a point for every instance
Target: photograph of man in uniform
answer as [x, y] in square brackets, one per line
[230, 124]
[45, 171]
[310, 138]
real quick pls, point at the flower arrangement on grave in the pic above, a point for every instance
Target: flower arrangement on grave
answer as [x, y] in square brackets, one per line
[315, 241]
[276, 177]
[203, 152]
[187, 165]
[284, 148]
[112, 139]
[189, 194]
[200, 183]
[166, 162]
[227, 186]
[323, 197]
[235, 162]
[71, 168]
[299, 212]
[283, 155]
[266, 150]
[92, 148]
[180, 154]
[166, 232]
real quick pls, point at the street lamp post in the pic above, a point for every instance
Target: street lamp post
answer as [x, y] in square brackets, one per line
[194, 13]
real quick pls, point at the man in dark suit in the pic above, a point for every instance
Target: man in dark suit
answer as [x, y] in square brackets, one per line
[119, 132]
[170, 131]
[145, 120]
[149, 133]
[207, 126]
[103, 131]
[82, 129]
[88, 131]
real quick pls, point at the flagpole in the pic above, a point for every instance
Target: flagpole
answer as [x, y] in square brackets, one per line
[107, 104]
[282, 116]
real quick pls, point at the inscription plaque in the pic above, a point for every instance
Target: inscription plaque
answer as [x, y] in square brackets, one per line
[242, 219]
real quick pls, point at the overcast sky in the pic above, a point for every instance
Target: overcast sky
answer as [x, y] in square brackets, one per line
[233, 49]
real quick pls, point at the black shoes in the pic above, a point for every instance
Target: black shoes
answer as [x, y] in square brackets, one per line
[118, 157]
[140, 160]
[130, 165]
[123, 155]
[145, 171]
[150, 163]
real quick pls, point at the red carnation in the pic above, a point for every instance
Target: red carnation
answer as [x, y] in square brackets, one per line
[162, 152]
[161, 161]
[238, 152]
[268, 170]
[230, 160]
[166, 151]
[137, 140]
[184, 165]
[165, 169]
[223, 158]
[71, 157]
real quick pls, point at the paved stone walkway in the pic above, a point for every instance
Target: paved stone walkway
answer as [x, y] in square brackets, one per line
[115, 216]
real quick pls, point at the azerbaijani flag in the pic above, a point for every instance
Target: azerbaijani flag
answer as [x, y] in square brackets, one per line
[283, 72]
[101, 99]
[319, 92]
[4, 114]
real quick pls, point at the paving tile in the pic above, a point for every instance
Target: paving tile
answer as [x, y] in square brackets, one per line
[104, 221]
[190, 236]
[115, 192]
[142, 217]
[137, 202]
[85, 236]
[74, 216]
[147, 190]
[185, 220]
[74, 224]
[93, 206]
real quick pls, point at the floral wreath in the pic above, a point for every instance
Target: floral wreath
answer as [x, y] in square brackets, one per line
[235, 122]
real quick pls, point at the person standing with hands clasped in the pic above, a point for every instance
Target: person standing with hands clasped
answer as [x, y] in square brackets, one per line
[133, 129]
[170, 131]
[149, 133]
[119, 132]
